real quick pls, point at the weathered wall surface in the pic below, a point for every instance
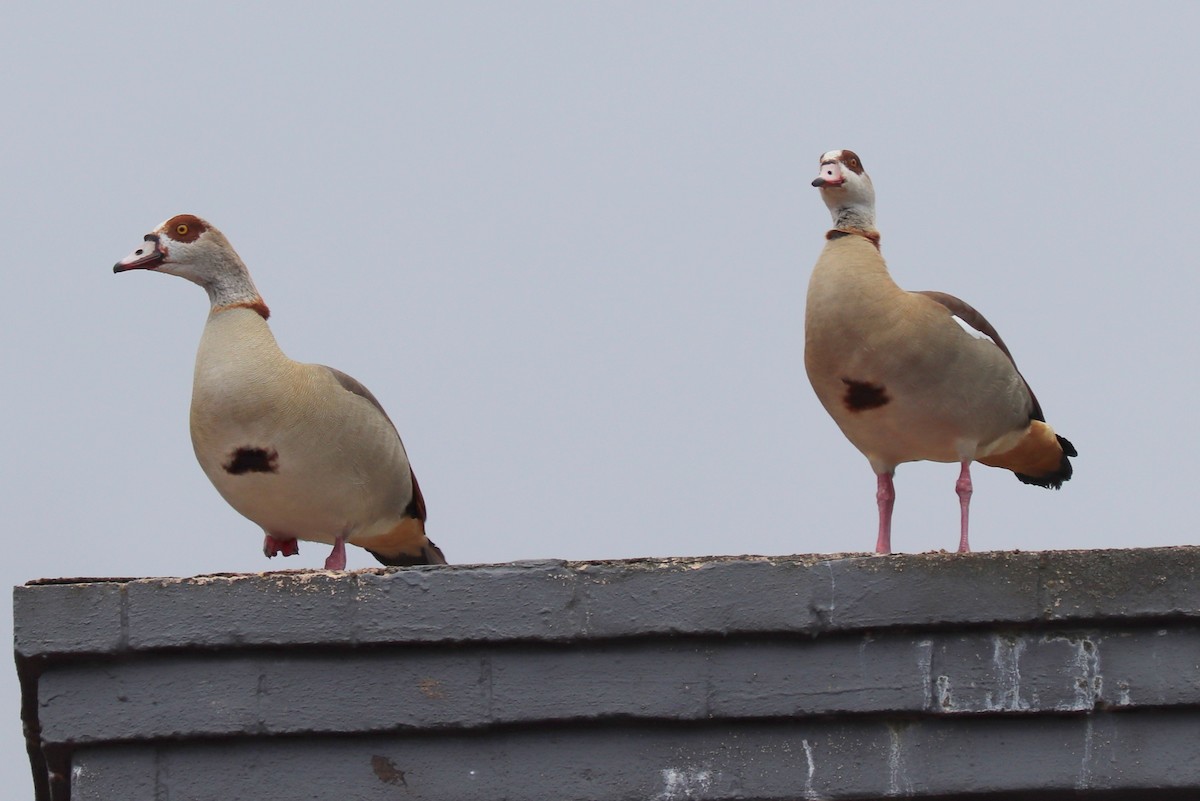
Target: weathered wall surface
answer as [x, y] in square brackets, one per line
[1003, 675]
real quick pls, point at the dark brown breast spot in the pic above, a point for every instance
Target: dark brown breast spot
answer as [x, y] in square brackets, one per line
[252, 460]
[863, 395]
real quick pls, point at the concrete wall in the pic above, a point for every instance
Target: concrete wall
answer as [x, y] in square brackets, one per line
[996, 675]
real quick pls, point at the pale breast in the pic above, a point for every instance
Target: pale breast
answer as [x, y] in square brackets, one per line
[900, 378]
[289, 447]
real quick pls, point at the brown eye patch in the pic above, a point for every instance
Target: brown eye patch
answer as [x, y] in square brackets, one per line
[852, 162]
[184, 227]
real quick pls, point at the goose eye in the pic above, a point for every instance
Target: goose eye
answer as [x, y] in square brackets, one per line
[181, 229]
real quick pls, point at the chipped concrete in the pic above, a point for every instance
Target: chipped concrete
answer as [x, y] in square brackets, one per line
[684, 784]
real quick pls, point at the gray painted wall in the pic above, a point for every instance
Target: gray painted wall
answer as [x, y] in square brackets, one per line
[1067, 674]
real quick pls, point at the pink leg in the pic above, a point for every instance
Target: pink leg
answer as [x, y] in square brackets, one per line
[964, 489]
[885, 496]
[337, 559]
[287, 547]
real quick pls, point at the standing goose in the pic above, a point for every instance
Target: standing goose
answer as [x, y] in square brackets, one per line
[913, 376]
[303, 450]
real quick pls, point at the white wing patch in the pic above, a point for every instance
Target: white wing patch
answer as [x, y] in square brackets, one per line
[970, 329]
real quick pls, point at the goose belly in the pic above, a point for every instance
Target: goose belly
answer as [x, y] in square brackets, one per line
[335, 479]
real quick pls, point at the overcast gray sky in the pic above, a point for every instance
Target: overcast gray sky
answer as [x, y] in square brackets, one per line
[567, 246]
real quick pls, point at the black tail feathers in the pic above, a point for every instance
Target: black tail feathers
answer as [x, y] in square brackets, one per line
[430, 555]
[1063, 473]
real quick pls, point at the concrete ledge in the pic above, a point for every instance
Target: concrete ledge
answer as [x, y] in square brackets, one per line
[847, 676]
[1065, 757]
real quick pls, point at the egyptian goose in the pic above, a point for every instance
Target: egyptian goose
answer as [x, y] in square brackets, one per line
[303, 450]
[912, 376]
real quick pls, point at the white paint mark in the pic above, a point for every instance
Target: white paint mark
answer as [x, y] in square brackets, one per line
[898, 781]
[945, 697]
[809, 792]
[1084, 780]
[832, 591]
[1088, 681]
[1006, 662]
[925, 668]
[1084, 672]
[684, 784]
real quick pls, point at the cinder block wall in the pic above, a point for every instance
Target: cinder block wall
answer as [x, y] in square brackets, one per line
[995, 675]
